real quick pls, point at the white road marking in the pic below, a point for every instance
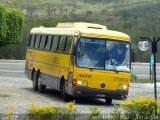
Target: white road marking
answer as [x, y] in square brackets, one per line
[11, 71]
[12, 65]
[145, 75]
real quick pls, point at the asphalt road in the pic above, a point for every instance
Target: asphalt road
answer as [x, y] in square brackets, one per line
[142, 70]
[16, 92]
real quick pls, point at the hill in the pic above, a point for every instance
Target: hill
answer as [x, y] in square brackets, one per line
[80, 7]
[134, 17]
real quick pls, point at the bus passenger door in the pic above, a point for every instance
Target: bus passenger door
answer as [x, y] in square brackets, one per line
[71, 66]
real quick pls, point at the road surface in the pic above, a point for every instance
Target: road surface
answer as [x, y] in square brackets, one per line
[16, 92]
[142, 70]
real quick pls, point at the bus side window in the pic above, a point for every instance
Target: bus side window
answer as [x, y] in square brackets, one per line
[32, 41]
[46, 41]
[43, 40]
[49, 43]
[68, 44]
[38, 38]
[55, 43]
[62, 44]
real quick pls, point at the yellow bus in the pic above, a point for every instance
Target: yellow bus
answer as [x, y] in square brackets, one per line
[80, 60]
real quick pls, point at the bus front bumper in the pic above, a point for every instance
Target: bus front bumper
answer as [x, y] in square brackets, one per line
[96, 93]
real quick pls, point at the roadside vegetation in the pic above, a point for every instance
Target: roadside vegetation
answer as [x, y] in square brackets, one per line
[52, 112]
[136, 109]
[11, 26]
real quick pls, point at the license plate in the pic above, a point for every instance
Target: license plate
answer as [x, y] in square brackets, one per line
[101, 95]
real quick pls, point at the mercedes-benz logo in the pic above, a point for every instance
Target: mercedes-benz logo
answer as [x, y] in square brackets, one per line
[103, 85]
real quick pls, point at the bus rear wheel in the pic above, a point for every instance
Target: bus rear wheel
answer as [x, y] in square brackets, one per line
[34, 81]
[41, 88]
[108, 101]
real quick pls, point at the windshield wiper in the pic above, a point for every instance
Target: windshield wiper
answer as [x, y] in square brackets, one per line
[114, 66]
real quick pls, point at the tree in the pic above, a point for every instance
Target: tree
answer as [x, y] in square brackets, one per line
[49, 10]
[2, 25]
[11, 26]
[31, 10]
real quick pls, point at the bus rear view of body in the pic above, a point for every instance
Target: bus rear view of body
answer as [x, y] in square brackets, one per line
[81, 60]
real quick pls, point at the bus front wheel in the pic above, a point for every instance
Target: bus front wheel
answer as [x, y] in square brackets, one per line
[108, 101]
[41, 88]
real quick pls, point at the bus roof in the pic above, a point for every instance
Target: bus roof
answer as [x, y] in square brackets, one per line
[82, 31]
[81, 25]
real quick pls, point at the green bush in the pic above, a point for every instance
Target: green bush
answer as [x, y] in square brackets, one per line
[137, 109]
[52, 112]
[8, 114]
[2, 24]
[95, 112]
[11, 25]
[133, 77]
[14, 24]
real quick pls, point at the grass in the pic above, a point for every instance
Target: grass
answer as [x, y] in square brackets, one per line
[143, 81]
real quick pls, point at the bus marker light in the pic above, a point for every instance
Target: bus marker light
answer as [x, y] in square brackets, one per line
[120, 87]
[74, 82]
[84, 83]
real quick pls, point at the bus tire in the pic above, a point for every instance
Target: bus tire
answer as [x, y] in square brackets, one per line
[41, 88]
[65, 96]
[34, 81]
[108, 101]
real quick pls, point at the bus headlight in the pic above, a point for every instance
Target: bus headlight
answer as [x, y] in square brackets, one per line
[124, 87]
[81, 83]
[76, 82]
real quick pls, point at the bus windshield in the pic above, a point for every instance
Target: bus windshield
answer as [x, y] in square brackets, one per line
[103, 54]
